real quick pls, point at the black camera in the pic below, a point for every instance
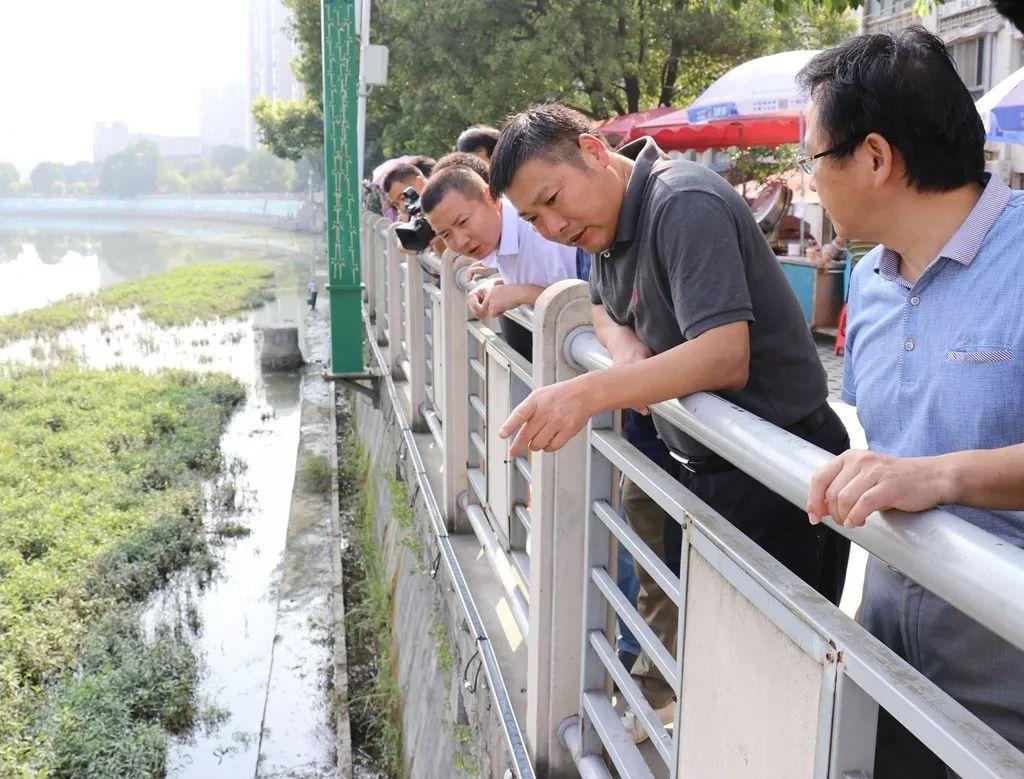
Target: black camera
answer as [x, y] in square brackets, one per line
[416, 234]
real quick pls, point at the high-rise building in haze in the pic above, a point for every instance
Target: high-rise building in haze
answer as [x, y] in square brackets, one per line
[224, 116]
[270, 54]
[113, 137]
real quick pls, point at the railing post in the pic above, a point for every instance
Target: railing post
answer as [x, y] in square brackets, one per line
[454, 346]
[416, 345]
[369, 253]
[394, 294]
[557, 545]
[380, 276]
[438, 334]
[854, 729]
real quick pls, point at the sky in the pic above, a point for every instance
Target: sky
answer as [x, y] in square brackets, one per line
[65, 64]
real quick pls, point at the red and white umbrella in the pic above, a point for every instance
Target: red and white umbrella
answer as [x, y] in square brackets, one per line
[754, 104]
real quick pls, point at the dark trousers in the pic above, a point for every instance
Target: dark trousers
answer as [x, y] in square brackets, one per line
[979, 670]
[518, 337]
[815, 553]
[312, 300]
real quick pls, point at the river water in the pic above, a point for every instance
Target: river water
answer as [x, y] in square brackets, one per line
[43, 260]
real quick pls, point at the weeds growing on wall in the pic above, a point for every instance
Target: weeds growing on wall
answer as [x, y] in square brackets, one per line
[316, 474]
[179, 297]
[100, 502]
[373, 682]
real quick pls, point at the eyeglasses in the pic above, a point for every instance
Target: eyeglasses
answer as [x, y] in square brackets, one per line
[805, 163]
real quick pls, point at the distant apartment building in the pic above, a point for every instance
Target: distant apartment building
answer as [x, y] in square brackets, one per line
[985, 47]
[112, 137]
[224, 116]
[270, 54]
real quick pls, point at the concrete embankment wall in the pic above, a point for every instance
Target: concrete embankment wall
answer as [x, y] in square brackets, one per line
[278, 211]
[447, 728]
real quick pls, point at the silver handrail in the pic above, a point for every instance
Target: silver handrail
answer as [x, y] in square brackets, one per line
[970, 568]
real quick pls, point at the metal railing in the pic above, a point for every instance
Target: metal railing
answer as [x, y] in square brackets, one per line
[770, 678]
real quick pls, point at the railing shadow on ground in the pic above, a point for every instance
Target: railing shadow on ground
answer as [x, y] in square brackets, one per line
[770, 678]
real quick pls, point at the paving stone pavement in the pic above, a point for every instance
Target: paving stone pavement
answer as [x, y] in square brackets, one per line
[833, 365]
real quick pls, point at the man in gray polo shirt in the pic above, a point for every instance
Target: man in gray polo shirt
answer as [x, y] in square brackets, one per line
[682, 268]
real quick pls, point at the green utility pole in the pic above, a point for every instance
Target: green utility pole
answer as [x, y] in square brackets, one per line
[341, 95]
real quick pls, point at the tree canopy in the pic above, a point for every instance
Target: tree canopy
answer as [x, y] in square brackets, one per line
[469, 61]
[46, 175]
[131, 172]
[464, 61]
[8, 176]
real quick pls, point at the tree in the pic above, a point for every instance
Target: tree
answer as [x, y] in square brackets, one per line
[449, 68]
[8, 176]
[45, 175]
[131, 172]
[760, 163]
[208, 181]
[262, 173]
[82, 171]
[289, 128]
[465, 61]
[227, 158]
[170, 181]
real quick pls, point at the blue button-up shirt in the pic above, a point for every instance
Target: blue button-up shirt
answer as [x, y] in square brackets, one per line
[937, 366]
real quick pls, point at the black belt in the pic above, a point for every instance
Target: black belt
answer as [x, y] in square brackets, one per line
[713, 463]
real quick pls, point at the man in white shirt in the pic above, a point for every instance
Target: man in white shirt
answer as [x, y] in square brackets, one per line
[460, 208]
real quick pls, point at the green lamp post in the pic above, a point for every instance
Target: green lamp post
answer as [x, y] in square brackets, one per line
[341, 95]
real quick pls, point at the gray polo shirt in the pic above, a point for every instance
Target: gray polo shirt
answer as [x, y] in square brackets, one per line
[688, 257]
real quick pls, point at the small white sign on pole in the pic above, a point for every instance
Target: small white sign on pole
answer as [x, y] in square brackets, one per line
[375, 66]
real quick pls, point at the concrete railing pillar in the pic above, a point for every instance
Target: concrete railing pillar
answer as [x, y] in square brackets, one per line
[394, 295]
[415, 329]
[557, 545]
[454, 375]
[369, 273]
[438, 333]
[380, 278]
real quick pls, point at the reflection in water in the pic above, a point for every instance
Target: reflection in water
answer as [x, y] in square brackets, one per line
[26, 281]
[238, 610]
[43, 260]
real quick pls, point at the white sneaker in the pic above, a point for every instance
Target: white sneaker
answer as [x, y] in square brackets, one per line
[634, 725]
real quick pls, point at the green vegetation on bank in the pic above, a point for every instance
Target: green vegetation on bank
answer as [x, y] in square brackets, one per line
[178, 297]
[100, 501]
[375, 698]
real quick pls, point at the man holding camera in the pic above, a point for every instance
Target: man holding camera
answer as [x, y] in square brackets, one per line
[399, 179]
[470, 221]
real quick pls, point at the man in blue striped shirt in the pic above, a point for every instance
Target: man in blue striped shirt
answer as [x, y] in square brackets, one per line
[934, 351]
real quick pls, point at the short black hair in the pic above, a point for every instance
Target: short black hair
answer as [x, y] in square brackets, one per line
[400, 173]
[464, 159]
[1012, 10]
[904, 86]
[423, 163]
[453, 178]
[548, 130]
[477, 136]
